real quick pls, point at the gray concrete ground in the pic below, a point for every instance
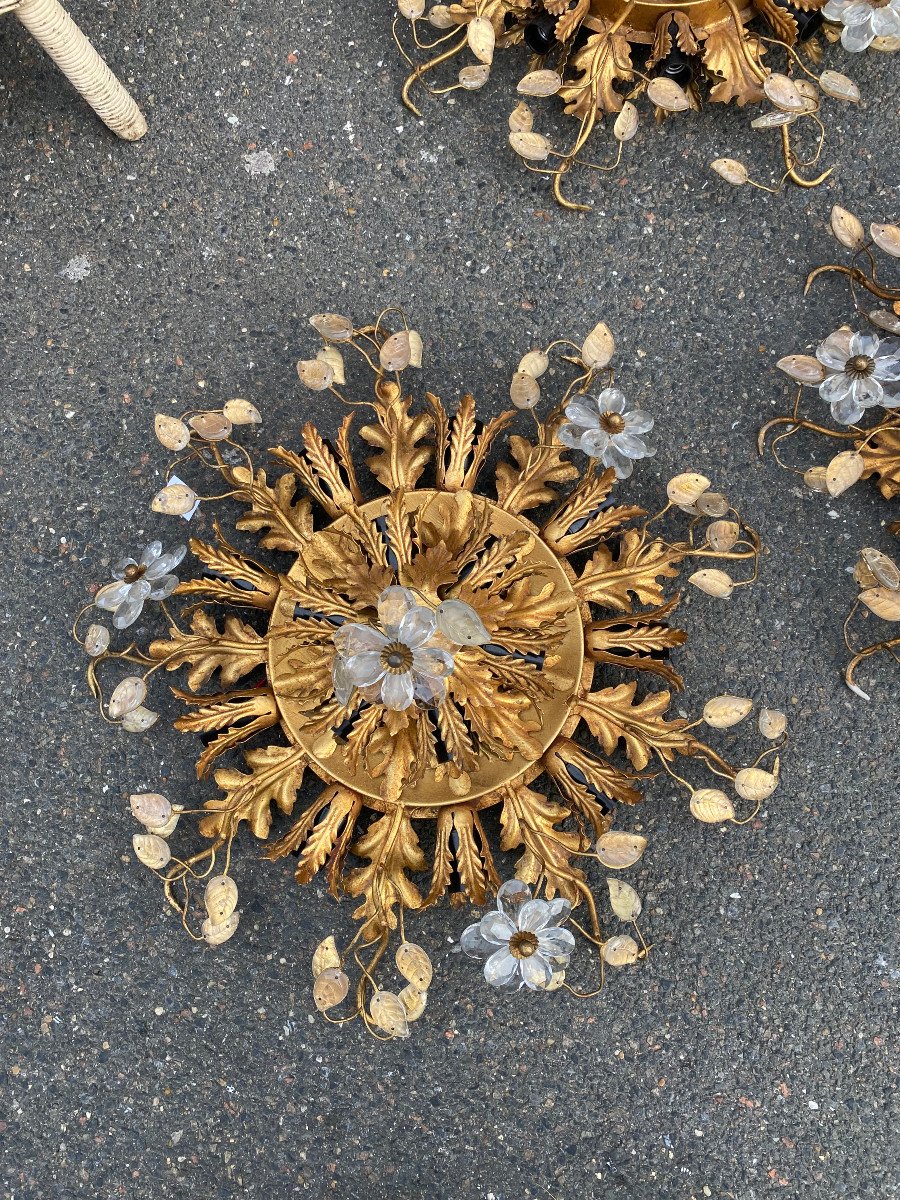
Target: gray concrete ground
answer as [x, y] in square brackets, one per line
[755, 1055]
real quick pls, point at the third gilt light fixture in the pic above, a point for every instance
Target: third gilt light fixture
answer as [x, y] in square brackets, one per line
[599, 57]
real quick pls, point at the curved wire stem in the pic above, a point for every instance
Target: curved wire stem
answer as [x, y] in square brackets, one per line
[856, 275]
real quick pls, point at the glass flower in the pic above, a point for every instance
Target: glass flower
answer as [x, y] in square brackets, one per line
[604, 428]
[396, 664]
[149, 578]
[863, 370]
[863, 22]
[522, 940]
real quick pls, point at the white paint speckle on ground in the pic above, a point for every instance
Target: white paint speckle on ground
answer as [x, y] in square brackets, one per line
[76, 269]
[260, 162]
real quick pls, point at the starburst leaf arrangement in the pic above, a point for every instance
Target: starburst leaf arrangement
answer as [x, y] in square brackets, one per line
[417, 671]
[607, 59]
[856, 371]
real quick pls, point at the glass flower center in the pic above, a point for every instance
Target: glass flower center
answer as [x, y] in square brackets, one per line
[523, 944]
[859, 366]
[396, 658]
[611, 422]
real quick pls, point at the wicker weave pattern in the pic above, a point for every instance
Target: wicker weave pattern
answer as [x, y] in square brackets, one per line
[57, 33]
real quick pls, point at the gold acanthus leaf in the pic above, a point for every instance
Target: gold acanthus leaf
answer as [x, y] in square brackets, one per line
[336, 560]
[584, 797]
[400, 457]
[327, 468]
[535, 604]
[392, 848]
[611, 714]
[237, 569]
[881, 457]
[454, 523]
[663, 39]
[498, 560]
[234, 652]
[570, 19]
[629, 642]
[641, 560]
[344, 449]
[602, 61]
[497, 718]
[463, 446]
[317, 488]
[779, 18]
[314, 597]
[399, 529]
[727, 54]
[530, 483]
[276, 773]
[315, 833]
[241, 715]
[287, 522]
[520, 675]
[309, 682]
[600, 778]
[529, 819]
[456, 737]
[473, 857]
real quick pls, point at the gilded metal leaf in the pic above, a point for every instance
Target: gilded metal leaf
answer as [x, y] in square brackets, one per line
[611, 714]
[881, 456]
[234, 652]
[275, 775]
[602, 62]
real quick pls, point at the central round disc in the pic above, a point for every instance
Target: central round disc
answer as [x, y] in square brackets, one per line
[438, 787]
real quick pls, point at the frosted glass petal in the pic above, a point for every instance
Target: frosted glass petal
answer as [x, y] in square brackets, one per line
[583, 412]
[594, 442]
[417, 626]
[536, 971]
[460, 623]
[622, 463]
[397, 691]
[496, 927]
[432, 661]
[555, 942]
[887, 368]
[864, 343]
[638, 421]
[857, 38]
[472, 943]
[611, 400]
[118, 571]
[857, 12]
[163, 587]
[534, 915]
[631, 445]
[364, 668]
[560, 908]
[393, 605]
[501, 968]
[886, 22]
[891, 399]
[835, 350]
[151, 552]
[834, 9]
[511, 896]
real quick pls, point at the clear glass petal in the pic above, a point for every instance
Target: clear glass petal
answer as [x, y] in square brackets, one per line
[534, 915]
[570, 435]
[612, 400]
[594, 442]
[856, 13]
[352, 638]
[555, 942]
[864, 343]
[583, 411]
[118, 571]
[856, 38]
[835, 350]
[393, 605]
[397, 691]
[417, 626]
[340, 677]
[847, 411]
[140, 589]
[560, 908]
[365, 668]
[472, 943]
[638, 421]
[535, 971]
[150, 552]
[496, 927]
[630, 445]
[429, 689]
[161, 588]
[834, 9]
[111, 596]
[886, 22]
[128, 611]
[511, 895]
[835, 388]
[501, 968]
[432, 661]
[887, 368]
[621, 462]
[890, 399]
[165, 563]
[867, 392]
